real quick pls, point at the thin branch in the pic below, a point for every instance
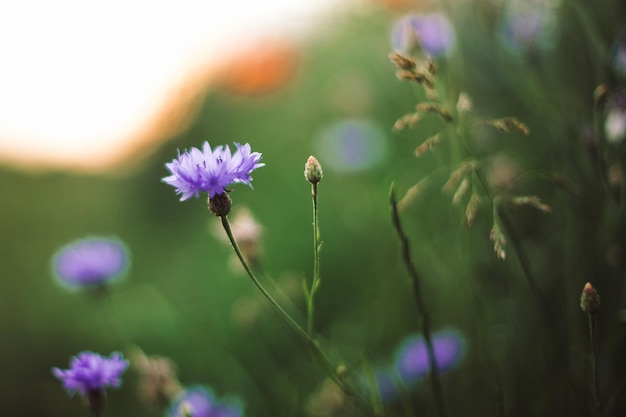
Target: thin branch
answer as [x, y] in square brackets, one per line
[419, 301]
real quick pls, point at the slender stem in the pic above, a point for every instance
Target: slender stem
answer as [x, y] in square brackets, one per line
[593, 357]
[321, 356]
[622, 183]
[499, 399]
[316, 263]
[598, 45]
[256, 282]
[419, 301]
[600, 151]
[95, 398]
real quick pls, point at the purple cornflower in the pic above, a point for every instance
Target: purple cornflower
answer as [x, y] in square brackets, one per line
[201, 402]
[90, 262]
[211, 171]
[412, 362]
[90, 372]
[433, 33]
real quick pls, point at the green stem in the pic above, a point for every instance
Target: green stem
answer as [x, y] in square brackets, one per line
[321, 356]
[316, 263]
[622, 183]
[256, 282]
[594, 368]
[419, 301]
[594, 36]
[599, 141]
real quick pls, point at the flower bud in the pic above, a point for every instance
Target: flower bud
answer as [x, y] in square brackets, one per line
[312, 170]
[220, 204]
[601, 94]
[590, 299]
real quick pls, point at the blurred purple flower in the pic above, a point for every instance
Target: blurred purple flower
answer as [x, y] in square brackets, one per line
[528, 29]
[201, 402]
[91, 372]
[412, 363]
[352, 145]
[433, 33]
[90, 262]
[211, 171]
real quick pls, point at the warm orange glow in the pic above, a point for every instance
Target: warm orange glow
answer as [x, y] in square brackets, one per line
[261, 68]
[85, 85]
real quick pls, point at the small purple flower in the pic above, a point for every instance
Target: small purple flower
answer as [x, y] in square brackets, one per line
[90, 262]
[211, 171]
[90, 372]
[433, 33]
[412, 362]
[201, 402]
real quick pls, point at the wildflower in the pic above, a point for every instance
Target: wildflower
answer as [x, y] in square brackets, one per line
[211, 171]
[590, 299]
[201, 402]
[90, 262]
[412, 361]
[432, 33]
[412, 364]
[90, 374]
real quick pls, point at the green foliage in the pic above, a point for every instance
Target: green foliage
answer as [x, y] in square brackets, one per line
[527, 338]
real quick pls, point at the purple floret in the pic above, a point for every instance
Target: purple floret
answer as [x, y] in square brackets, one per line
[90, 261]
[92, 372]
[201, 402]
[412, 361]
[433, 33]
[211, 171]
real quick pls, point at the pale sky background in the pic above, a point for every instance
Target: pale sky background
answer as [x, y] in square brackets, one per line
[79, 80]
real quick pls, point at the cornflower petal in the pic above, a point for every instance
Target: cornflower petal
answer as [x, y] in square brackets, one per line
[211, 170]
[90, 371]
[90, 262]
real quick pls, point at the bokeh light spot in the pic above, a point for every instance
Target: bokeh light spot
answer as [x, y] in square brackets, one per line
[352, 145]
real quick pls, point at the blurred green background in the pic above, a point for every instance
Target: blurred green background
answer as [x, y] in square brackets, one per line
[181, 297]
